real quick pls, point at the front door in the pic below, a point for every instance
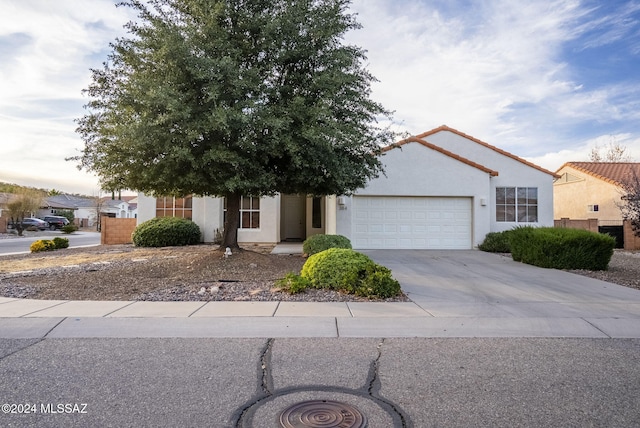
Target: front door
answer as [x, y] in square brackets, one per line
[293, 217]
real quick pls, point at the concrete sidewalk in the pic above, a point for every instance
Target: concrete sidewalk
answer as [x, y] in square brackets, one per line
[21, 318]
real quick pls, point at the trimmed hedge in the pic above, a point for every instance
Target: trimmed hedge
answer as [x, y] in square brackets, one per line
[166, 232]
[347, 270]
[561, 248]
[293, 283]
[496, 242]
[49, 245]
[61, 242]
[69, 228]
[318, 243]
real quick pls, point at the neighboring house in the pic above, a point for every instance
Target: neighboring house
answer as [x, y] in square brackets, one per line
[123, 207]
[441, 190]
[591, 190]
[588, 195]
[84, 209]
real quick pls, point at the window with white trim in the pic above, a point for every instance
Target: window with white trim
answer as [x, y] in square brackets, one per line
[249, 212]
[517, 204]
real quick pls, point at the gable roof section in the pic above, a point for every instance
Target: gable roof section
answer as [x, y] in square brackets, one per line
[611, 172]
[69, 202]
[443, 151]
[487, 145]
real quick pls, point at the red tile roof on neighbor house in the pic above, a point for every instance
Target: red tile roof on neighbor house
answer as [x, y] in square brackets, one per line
[422, 139]
[611, 172]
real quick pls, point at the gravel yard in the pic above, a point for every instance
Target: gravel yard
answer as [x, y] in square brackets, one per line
[124, 272]
[624, 269]
[191, 273]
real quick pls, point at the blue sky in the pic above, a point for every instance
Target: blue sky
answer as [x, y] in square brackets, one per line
[546, 80]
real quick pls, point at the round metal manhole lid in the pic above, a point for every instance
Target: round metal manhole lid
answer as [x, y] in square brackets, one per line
[322, 414]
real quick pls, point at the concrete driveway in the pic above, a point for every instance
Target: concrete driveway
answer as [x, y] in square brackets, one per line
[477, 285]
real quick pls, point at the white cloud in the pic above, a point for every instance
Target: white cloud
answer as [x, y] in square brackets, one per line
[469, 69]
[495, 72]
[46, 51]
[553, 160]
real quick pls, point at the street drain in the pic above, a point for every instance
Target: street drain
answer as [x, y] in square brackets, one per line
[322, 414]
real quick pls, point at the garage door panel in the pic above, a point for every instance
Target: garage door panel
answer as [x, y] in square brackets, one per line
[404, 228]
[411, 222]
[419, 228]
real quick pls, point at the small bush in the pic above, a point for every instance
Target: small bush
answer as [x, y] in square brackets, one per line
[69, 228]
[293, 283]
[496, 242]
[60, 243]
[42, 245]
[317, 243]
[166, 232]
[561, 248]
[349, 271]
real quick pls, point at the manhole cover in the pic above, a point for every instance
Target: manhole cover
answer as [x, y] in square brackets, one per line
[322, 414]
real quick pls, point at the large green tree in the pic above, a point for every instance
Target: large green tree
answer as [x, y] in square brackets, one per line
[234, 97]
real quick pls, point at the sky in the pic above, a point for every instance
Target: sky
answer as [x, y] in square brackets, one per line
[546, 80]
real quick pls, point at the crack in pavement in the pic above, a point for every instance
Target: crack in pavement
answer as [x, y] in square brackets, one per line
[266, 391]
[31, 342]
[375, 385]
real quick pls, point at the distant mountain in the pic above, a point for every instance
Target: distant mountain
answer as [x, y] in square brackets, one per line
[17, 188]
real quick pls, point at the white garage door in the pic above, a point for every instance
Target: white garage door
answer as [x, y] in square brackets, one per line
[411, 222]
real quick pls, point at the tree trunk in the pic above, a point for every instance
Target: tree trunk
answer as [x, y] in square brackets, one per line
[17, 224]
[232, 222]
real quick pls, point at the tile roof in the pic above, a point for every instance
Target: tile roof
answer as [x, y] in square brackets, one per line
[611, 172]
[494, 148]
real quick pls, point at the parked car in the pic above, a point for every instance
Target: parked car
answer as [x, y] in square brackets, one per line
[36, 223]
[56, 222]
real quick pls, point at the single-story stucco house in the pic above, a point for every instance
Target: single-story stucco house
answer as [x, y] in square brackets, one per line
[442, 189]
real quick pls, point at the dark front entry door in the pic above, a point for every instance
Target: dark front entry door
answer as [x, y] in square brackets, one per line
[293, 215]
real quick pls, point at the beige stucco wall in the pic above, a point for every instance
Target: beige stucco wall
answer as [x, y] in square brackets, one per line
[571, 199]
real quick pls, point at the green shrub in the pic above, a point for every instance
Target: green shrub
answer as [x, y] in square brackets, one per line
[496, 242]
[561, 248]
[166, 232]
[293, 283]
[42, 245]
[349, 271]
[69, 228]
[317, 243]
[60, 243]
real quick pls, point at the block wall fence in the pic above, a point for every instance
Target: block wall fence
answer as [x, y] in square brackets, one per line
[631, 241]
[117, 230]
[590, 224]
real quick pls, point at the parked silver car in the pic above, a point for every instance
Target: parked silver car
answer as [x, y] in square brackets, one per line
[35, 223]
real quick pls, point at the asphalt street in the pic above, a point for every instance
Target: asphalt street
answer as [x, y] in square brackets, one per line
[398, 382]
[16, 245]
